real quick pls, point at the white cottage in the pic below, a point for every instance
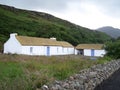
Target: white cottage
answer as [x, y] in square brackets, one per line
[91, 50]
[37, 46]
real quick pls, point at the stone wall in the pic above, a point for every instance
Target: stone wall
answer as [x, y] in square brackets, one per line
[86, 79]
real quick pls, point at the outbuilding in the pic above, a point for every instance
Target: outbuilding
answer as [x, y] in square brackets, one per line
[91, 50]
[37, 46]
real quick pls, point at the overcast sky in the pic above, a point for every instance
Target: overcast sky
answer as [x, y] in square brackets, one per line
[88, 13]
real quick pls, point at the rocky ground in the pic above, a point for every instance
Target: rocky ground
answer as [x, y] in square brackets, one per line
[91, 79]
[112, 83]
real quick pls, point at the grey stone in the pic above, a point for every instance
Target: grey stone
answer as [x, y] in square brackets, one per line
[57, 82]
[56, 87]
[45, 87]
[71, 78]
[93, 74]
[65, 85]
[86, 79]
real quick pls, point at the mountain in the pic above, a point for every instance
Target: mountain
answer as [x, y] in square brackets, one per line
[40, 24]
[113, 32]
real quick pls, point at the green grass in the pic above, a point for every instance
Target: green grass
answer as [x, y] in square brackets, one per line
[19, 72]
[105, 59]
[13, 68]
[12, 76]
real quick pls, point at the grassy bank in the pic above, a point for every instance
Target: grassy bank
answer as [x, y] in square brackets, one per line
[18, 72]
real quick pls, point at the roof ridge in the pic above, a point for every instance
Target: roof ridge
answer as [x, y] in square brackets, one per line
[90, 46]
[36, 41]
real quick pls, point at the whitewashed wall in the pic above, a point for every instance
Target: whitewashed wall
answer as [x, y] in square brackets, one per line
[101, 53]
[42, 50]
[12, 46]
[36, 50]
[76, 51]
[68, 50]
[58, 50]
[55, 50]
[71, 50]
[87, 52]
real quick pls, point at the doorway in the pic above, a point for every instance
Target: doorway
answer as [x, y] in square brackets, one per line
[81, 52]
[92, 52]
[48, 51]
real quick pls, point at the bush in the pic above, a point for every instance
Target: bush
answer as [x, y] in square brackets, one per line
[113, 49]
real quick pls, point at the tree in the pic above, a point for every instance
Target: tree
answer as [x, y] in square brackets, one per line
[113, 49]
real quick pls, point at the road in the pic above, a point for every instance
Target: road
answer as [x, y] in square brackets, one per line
[112, 83]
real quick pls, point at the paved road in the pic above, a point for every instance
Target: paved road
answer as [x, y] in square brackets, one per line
[112, 83]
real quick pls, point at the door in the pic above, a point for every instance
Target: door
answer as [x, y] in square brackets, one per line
[31, 50]
[92, 52]
[48, 51]
[81, 52]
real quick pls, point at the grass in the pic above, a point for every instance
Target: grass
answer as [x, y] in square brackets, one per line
[19, 72]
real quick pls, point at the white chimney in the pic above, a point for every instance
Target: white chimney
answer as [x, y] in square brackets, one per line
[52, 38]
[13, 34]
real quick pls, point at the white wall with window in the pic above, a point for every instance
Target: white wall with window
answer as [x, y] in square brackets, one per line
[33, 50]
[19, 45]
[101, 53]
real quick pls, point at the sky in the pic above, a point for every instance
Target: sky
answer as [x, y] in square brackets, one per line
[91, 14]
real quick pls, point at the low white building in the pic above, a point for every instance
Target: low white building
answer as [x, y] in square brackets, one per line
[91, 50]
[37, 46]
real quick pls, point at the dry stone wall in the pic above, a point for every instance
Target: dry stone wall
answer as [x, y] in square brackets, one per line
[86, 79]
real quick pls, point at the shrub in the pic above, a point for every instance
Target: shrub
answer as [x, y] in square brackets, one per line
[113, 49]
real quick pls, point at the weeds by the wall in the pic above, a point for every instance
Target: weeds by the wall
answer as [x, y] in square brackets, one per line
[19, 72]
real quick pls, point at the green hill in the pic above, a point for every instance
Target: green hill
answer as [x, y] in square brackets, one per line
[41, 24]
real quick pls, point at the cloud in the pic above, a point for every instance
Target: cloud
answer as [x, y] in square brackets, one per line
[88, 13]
[53, 5]
[110, 7]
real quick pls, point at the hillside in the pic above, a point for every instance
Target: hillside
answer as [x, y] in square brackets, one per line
[113, 32]
[41, 24]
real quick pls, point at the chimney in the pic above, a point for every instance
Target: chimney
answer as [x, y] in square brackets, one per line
[13, 34]
[52, 38]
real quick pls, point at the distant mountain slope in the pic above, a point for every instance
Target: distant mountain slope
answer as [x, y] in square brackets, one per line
[39, 24]
[113, 32]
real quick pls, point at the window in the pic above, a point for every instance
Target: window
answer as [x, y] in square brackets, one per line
[31, 49]
[62, 49]
[57, 49]
[67, 49]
